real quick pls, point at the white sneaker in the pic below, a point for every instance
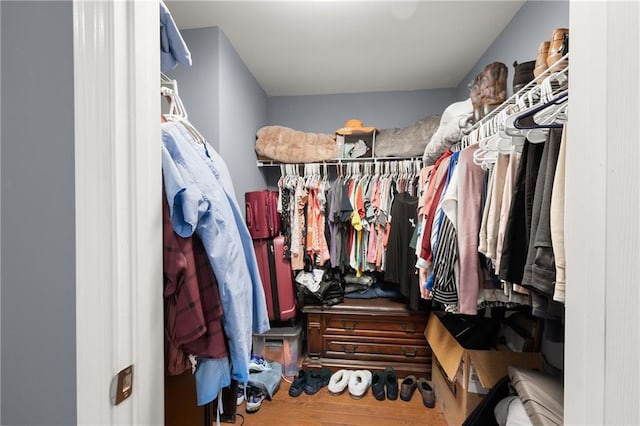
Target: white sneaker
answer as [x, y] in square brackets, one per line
[359, 382]
[254, 400]
[258, 364]
[240, 395]
[339, 382]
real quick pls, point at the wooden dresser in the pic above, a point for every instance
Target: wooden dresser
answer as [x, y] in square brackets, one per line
[367, 334]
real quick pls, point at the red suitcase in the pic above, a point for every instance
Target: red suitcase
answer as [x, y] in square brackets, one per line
[263, 219]
[277, 278]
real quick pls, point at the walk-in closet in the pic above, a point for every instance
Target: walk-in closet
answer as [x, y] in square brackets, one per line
[419, 250]
[434, 220]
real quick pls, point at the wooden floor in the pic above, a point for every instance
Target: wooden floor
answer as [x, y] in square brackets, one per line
[323, 409]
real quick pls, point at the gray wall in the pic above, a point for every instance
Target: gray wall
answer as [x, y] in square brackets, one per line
[519, 41]
[38, 379]
[198, 84]
[326, 113]
[243, 110]
[225, 103]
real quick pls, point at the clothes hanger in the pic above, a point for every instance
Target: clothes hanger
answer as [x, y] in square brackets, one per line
[177, 112]
[523, 103]
[528, 115]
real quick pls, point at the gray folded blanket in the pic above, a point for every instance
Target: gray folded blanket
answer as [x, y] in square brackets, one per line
[407, 141]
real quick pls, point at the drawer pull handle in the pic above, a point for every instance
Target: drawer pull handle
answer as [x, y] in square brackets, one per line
[353, 325]
[347, 351]
[406, 353]
[408, 329]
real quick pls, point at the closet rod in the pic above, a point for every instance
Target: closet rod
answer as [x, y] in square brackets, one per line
[340, 161]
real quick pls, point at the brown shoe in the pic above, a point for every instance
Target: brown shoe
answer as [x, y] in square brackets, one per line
[474, 94]
[408, 387]
[489, 89]
[557, 48]
[493, 86]
[428, 396]
[541, 58]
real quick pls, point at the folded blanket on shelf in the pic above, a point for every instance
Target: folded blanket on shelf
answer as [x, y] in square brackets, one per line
[287, 145]
[407, 141]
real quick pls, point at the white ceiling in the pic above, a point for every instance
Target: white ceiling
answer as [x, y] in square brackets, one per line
[321, 47]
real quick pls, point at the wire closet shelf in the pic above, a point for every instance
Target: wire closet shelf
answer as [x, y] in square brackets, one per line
[547, 86]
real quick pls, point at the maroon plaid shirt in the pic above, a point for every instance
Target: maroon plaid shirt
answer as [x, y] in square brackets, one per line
[192, 303]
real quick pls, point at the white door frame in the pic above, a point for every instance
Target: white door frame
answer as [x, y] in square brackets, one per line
[602, 338]
[118, 188]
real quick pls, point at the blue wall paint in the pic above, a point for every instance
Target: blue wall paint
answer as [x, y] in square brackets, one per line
[38, 320]
[326, 113]
[243, 110]
[225, 102]
[198, 84]
[519, 41]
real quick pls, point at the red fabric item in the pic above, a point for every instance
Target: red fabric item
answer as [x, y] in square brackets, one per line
[193, 309]
[431, 204]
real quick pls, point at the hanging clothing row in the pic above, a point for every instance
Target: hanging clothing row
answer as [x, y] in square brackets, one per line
[345, 222]
[215, 300]
[491, 223]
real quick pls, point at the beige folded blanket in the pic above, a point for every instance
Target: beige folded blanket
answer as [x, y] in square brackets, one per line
[286, 145]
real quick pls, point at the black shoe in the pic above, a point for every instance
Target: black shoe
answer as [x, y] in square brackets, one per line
[297, 386]
[391, 383]
[377, 385]
[316, 380]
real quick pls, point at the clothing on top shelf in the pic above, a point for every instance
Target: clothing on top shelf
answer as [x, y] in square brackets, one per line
[201, 200]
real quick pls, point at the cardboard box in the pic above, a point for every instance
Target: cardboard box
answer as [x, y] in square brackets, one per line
[462, 376]
[357, 145]
[282, 345]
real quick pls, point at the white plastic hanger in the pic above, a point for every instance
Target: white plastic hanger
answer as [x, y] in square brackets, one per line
[176, 110]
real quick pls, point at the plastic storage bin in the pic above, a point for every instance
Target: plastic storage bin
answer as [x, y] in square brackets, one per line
[282, 345]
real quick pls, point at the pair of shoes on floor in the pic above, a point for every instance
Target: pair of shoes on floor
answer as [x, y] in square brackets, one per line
[309, 381]
[357, 381]
[254, 397]
[258, 364]
[409, 386]
[387, 379]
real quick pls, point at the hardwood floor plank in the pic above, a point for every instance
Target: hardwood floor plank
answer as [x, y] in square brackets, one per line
[323, 409]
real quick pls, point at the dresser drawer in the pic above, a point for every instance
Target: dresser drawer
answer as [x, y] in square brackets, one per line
[368, 326]
[376, 349]
[367, 334]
